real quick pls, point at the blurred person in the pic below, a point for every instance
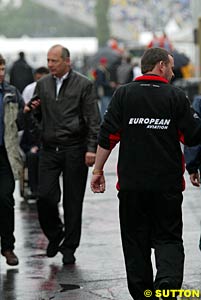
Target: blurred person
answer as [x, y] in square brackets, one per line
[136, 70]
[28, 91]
[193, 166]
[105, 87]
[114, 45]
[193, 155]
[11, 104]
[182, 64]
[188, 70]
[21, 73]
[164, 42]
[190, 153]
[29, 145]
[155, 42]
[161, 41]
[149, 117]
[67, 107]
[125, 71]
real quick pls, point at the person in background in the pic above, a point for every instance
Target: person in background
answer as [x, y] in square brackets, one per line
[164, 42]
[193, 167]
[105, 87]
[21, 73]
[155, 42]
[149, 117]
[136, 70]
[28, 91]
[11, 120]
[68, 110]
[29, 145]
[193, 155]
[125, 70]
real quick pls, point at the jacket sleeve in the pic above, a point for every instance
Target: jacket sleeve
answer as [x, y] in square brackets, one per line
[110, 132]
[91, 116]
[188, 122]
[37, 112]
[34, 121]
[193, 164]
[20, 116]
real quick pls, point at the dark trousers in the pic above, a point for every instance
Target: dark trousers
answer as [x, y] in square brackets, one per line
[7, 185]
[151, 220]
[71, 164]
[32, 164]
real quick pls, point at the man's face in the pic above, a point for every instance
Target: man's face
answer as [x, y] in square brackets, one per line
[169, 69]
[56, 64]
[2, 73]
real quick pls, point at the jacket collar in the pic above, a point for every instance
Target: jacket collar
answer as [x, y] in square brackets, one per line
[151, 77]
[5, 86]
[66, 76]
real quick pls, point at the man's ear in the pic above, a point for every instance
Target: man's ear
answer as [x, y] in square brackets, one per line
[161, 64]
[68, 60]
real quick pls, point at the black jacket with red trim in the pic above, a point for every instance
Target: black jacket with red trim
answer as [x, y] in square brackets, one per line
[150, 116]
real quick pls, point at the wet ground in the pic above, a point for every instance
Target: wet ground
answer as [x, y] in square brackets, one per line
[99, 270]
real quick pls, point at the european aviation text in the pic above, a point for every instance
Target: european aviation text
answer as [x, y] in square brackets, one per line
[151, 123]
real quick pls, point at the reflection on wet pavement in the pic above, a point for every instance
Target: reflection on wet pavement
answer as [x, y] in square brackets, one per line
[40, 278]
[34, 275]
[99, 272]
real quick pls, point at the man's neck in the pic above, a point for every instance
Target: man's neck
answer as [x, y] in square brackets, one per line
[151, 74]
[62, 76]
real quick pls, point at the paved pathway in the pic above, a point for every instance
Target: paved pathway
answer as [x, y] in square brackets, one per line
[99, 271]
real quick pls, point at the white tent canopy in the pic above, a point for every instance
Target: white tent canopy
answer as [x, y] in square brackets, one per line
[36, 49]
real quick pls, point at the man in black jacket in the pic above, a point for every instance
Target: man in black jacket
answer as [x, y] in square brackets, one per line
[149, 116]
[68, 110]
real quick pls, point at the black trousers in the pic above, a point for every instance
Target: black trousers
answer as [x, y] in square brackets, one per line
[7, 185]
[69, 162]
[32, 164]
[151, 220]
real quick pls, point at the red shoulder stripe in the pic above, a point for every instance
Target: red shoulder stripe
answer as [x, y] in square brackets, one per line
[151, 78]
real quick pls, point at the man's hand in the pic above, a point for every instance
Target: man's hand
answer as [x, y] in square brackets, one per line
[98, 183]
[195, 179]
[31, 105]
[98, 179]
[34, 149]
[90, 158]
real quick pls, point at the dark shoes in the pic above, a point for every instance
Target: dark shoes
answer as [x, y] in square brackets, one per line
[53, 246]
[68, 259]
[11, 258]
[68, 255]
